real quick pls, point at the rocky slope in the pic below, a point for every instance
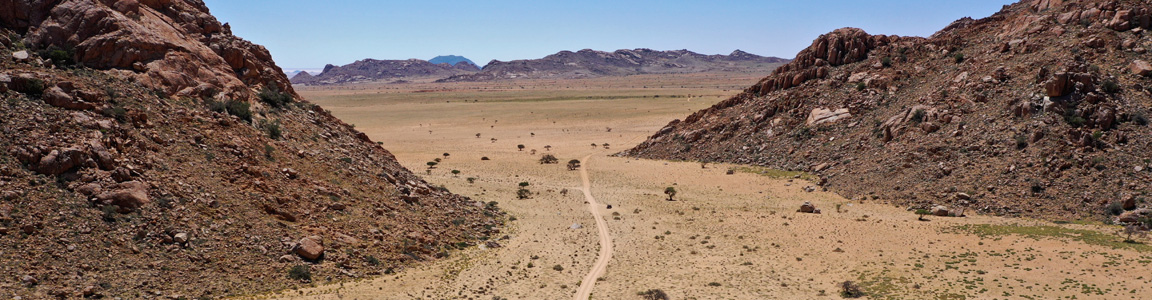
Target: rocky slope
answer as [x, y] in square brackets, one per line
[149, 153]
[590, 63]
[1040, 110]
[374, 70]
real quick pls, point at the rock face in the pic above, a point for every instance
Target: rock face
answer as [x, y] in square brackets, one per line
[198, 57]
[589, 63]
[151, 148]
[1023, 111]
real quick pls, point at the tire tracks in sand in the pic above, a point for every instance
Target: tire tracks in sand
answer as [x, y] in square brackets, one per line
[605, 256]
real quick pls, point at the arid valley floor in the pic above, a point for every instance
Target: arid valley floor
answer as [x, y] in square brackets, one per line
[727, 236]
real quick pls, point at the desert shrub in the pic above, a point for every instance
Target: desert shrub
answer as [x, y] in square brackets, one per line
[918, 116]
[549, 159]
[849, 289]
[860, 86]
[886, 61]
[484, 158]
[237, 108]
[714, 284]
[958, 57]
[1139, 119]
[1110, 86]
[268, 151]
[60, 57]
[372, 260]
[524, 184]
[273, 97]
[471, 179]
[558, 268]
[272, 129]
[300, 272]
[32, 87]
[346, 160]
[1074, 121]
[653, 294]
[1114, 208]
[1021, 141]
[523, 193]
[116, 112]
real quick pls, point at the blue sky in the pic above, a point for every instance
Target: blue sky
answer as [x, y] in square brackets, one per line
[312, 33]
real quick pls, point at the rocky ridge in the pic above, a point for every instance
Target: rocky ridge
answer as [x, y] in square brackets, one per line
[589, 63]
[1040, 110]
[148, 153]
[374, 70]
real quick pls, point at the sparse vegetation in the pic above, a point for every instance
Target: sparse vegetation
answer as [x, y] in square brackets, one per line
[653, 294]
[520, 147]
[573, 165]
[958, 57]
[918, 116]
[671, 192]
[1110, 86]
[274, 97]
[549, 159]
[849, 289]
[300, 272]
[558, 268]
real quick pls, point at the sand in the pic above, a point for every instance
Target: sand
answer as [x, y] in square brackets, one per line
[735, 236]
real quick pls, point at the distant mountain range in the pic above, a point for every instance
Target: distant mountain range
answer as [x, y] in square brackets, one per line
[565, 64]
[589, 63]
[451, 60]
[375, 70]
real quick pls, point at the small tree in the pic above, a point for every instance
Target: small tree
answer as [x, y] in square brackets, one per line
[446, 155]
[671, 192]
[436, 159]
[547, 147]
[1133, 230]
[548, 159]
[605, 145]
[533, 152]
[849, 289]
[455, 173]
[524, 184]
[477, 135]
[432, 164]
[654, 294]
[471, 180]
[573, 164]
[520, 147]
[922, 213]
[493, 140]
[594, 145]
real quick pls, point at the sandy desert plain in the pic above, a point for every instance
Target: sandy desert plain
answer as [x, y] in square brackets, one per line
[735, 236]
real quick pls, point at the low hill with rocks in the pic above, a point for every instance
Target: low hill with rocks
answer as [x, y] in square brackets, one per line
[589, 63]
[368, 70]
[1040, 110]
[149, 153]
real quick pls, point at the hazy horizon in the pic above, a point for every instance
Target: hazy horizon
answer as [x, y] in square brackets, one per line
[341, 32]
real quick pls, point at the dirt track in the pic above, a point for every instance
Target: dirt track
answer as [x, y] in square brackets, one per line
[601, 265]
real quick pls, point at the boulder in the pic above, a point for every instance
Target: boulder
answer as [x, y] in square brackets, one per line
[1140, 67]
[1058, 85]
[129, 196]
[939, 211]
[21, 55]
[180, 238]
[963, 196]
[1129, 202]
[310, 248]
[807, 208]
[821, 115]
[55, 96]
[59, 161]
[1134, 216]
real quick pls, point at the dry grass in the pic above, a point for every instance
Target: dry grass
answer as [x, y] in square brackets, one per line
[740, 230]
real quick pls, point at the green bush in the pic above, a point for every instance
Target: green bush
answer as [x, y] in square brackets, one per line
[272, 129]
[59, 57]
[241, 109]
[273, 97]
[558, 268]
[918, 116]
[300, 272]
[958, 57]
[1110, 86]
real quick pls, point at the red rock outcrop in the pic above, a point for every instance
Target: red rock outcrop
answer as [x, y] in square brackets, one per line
[173, 46]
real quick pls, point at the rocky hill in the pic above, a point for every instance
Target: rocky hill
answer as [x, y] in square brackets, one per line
[1040, 110]
[590, 63]
[375, 70]
[149, 153]
[451, 60]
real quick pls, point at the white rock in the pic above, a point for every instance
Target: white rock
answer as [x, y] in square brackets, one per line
[21, 55]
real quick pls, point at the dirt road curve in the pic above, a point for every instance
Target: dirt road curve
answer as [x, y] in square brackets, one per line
[601, 265]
